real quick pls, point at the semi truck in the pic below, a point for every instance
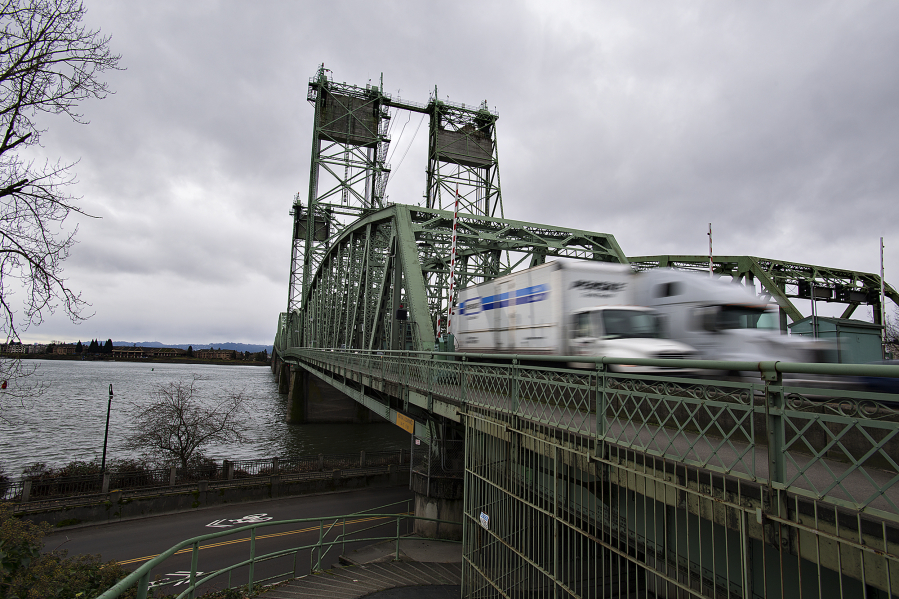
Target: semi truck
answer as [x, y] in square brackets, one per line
[720, 319]
[565, 307]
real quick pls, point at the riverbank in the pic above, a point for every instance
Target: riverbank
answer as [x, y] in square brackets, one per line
[185, 360]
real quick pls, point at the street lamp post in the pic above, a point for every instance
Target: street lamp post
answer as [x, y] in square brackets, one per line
[106, 435]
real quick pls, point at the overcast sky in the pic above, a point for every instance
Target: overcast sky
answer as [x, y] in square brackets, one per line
[777, 122]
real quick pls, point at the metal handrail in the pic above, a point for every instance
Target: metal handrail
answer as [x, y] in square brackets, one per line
[140, 578]
[879, 370]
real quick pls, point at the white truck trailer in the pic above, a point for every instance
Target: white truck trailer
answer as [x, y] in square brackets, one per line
[569, 308]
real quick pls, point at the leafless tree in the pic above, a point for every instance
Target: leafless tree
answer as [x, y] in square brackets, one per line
[49, 63]
[177, 425]
[892, 333]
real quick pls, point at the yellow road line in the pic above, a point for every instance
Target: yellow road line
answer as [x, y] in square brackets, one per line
[246, 539]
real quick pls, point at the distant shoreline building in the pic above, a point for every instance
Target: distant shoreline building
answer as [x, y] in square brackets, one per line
[124, 352]
[215, 354]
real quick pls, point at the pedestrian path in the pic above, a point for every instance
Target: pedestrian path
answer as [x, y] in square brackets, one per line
[373, 570]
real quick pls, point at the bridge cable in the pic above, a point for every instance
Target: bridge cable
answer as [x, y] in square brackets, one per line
[392, 172]
[397, 143]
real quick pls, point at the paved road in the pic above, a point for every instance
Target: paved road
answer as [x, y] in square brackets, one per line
[134, 542]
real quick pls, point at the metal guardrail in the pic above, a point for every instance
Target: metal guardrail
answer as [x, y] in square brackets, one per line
[314, 463]
[815, 430]
[332, 532]
[36, 491]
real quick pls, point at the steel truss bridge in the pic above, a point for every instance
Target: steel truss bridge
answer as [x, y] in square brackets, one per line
[583, 483]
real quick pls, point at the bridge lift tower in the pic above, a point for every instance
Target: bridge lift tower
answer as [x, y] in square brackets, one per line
[348, 174]
[348, 177]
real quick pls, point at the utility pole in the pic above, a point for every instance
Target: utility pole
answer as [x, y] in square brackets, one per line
[711, 267]
[883, 320]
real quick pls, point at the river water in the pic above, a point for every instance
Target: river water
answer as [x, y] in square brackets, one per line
[67, 421]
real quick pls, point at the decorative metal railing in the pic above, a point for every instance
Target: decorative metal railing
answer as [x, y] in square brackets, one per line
[816, 430]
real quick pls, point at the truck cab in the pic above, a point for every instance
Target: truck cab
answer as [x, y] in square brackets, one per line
[721, 320]
[624, 332]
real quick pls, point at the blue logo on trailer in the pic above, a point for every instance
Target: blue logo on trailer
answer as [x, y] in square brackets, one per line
[471, 307]
[528, 295]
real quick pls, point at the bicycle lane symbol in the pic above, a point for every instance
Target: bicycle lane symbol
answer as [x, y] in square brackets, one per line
[184, 575]
[249, 519]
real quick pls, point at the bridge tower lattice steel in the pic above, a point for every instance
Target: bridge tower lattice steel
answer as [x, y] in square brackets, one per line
[347, 176]
[371, 274]
[462, 176]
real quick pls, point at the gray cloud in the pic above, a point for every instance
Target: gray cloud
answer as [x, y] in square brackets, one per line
[777, 122]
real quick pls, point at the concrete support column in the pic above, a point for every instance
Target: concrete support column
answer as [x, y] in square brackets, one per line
[173, 475]
[283, 378]
[310, 399]
[26, 491]
[362, 459]
[441, 498]
[297, 394]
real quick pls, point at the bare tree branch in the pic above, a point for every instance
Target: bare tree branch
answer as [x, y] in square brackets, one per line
[49, 64]
[892, 333]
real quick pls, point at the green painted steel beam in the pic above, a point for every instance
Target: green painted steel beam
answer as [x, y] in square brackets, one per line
[777, 293]
[414, 281]
[403, 252]
[776, 275]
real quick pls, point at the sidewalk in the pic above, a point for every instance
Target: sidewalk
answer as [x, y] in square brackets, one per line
[427, 569]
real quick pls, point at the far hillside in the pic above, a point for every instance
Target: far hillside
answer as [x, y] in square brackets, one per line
[238, 347]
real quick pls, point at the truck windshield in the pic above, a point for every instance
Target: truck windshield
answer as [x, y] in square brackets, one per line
[629, 324]
[746, 317]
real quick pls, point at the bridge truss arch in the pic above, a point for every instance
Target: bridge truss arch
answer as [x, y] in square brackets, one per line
[382, 282]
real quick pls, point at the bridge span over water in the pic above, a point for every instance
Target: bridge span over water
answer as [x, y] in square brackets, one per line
[577, 482]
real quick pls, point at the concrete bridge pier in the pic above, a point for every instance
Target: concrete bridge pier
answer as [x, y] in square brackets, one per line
[437, 480]
[439, 497]
[311, 400]
[282, 374]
